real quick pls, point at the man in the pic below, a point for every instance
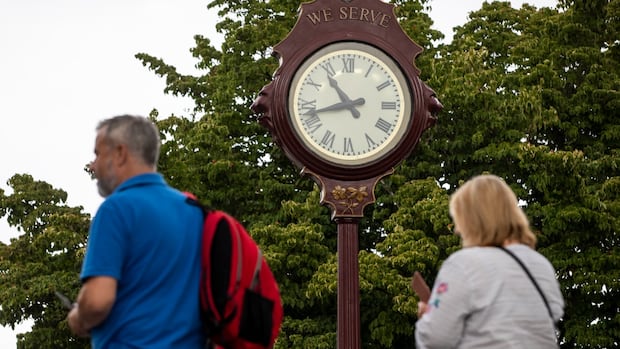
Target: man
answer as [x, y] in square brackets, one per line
[141, 271]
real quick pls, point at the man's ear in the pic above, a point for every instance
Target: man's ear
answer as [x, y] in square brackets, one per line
[121, 154]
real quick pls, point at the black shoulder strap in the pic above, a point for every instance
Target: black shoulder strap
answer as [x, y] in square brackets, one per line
[531, 278]
[193, 200]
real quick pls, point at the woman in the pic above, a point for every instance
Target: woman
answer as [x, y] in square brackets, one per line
[482, 297]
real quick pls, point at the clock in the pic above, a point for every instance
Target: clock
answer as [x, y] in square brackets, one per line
[346, 105]
[349, 103]
[346, 102]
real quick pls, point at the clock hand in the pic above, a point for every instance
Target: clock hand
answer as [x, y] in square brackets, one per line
[337, 106]
[343, 96]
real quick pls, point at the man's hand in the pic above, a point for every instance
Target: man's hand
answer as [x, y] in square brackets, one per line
[76, 326]
[94, 303]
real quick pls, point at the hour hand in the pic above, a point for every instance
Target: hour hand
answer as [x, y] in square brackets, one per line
[338, 106]
[343, 96]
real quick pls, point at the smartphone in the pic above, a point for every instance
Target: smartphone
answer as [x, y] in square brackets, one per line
[420, 287]
[66, 302]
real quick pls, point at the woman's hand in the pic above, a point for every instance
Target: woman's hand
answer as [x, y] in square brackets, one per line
[422, 306]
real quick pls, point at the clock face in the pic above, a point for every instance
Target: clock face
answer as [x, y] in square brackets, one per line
[350, 103]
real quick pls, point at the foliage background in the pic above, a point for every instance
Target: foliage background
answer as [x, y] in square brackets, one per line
[529, 95]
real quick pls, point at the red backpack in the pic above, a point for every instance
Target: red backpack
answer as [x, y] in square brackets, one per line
[239, 296]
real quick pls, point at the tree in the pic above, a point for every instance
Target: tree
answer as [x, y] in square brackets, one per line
[45, 258]
[530, 95]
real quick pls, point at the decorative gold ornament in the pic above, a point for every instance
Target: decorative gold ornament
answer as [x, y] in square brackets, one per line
[349, 197]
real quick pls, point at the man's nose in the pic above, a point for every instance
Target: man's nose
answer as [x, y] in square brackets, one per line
[90, 168]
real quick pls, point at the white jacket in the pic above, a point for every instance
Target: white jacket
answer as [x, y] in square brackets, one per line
[482, 298]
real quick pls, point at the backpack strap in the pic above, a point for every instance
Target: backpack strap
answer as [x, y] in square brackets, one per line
[542, 295]
[191, 199]
[259, 257]
[259, 264]
[235, 229]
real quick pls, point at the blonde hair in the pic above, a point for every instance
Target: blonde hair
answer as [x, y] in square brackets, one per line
[486, 212]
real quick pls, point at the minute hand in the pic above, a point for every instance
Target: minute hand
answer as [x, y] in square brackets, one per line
[338, 106]
[343, 96]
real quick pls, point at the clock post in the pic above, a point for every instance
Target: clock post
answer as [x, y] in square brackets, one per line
[347, 200]
[346, 105]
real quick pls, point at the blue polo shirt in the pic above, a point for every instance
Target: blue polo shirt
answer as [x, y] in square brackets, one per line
[148, 238]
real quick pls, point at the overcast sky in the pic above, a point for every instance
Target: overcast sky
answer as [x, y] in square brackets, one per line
[66, 64]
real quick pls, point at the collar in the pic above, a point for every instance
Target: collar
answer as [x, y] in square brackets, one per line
[141, 180]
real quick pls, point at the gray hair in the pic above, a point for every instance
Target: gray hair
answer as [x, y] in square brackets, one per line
[138, 133]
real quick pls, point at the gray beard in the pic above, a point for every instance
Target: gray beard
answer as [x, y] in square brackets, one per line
[105, 188]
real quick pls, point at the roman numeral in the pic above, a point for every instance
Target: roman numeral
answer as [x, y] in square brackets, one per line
[348, 65]
[313, 123]
[388, 105]
[348, 145]
[305, 105]
[383, 85]
[368, 71]
[312, 83]
[328, 139]
[369, 141]
[383, 125]
[329, 69]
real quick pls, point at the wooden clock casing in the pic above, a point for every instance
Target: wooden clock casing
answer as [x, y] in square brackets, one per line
[320, 24]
